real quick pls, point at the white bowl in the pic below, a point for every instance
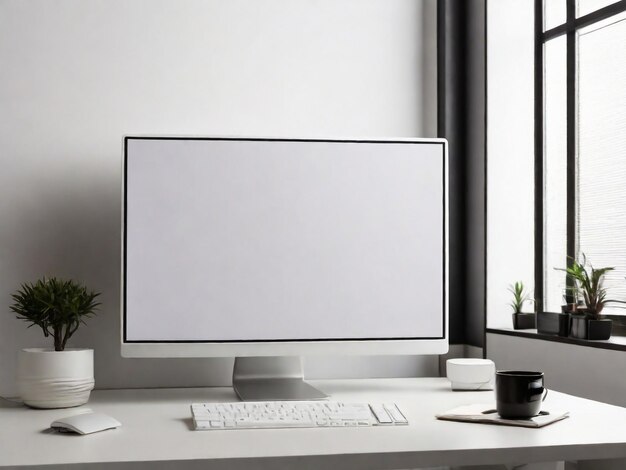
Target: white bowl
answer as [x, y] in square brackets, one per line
[471, 374]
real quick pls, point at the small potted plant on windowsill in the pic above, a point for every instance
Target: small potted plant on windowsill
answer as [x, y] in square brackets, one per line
[558, 323]
[587, 321]
[59, 377]
[521, 321]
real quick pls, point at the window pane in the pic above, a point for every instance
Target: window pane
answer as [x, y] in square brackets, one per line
[587, 6]
[510, 145]
[602, 150]
[555, 173]
[553, 13]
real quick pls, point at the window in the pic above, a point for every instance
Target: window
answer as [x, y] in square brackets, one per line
[510, 155]
[580, 201]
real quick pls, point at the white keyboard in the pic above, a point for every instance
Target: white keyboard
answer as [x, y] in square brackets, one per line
[293, 414]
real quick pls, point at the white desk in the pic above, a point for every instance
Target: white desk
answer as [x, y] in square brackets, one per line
[157, 427]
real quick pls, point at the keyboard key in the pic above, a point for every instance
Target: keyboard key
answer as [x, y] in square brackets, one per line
[395, 413]
[381, 414]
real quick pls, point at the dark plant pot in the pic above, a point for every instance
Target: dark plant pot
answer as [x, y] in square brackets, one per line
[599, 329]
[523, 321]
[553, 323]
[579, 327]
[584, 327]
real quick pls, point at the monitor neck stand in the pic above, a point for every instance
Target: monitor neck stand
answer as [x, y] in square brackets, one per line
[272, 378]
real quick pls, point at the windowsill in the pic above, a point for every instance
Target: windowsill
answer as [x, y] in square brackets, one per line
[616, 343]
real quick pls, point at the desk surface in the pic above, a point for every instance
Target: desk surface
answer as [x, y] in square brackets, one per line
[157, 427]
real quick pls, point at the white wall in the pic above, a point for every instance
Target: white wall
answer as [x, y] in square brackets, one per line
[77, 75]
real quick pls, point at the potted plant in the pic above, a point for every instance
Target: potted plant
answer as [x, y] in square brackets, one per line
[521, 321]
[59, 377]
[587, 322]
[558, 323]
[571, 299]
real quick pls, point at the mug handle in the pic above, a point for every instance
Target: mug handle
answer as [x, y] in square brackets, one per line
[536, 393]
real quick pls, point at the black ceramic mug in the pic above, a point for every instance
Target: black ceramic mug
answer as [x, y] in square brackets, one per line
[519, 393]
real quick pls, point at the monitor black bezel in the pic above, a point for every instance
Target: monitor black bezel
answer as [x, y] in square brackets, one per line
[445, 199]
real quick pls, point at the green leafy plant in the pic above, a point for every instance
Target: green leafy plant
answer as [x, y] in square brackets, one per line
[588, 284]
[520, 296]
[57, 306]
[571, 296]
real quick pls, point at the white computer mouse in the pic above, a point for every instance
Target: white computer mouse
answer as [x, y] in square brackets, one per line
[85, 423]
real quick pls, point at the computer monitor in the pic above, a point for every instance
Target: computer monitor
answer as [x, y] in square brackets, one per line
[271, 249]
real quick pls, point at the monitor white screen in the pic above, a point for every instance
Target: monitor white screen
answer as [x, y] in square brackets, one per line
[261, 240]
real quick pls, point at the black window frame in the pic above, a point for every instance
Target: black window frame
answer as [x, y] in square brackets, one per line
[571, 26]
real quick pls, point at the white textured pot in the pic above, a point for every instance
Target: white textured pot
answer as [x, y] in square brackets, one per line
[55, 379]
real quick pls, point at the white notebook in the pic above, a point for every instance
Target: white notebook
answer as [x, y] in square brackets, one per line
[485, 413]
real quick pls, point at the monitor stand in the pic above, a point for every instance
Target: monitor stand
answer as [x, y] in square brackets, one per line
[272, 378]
